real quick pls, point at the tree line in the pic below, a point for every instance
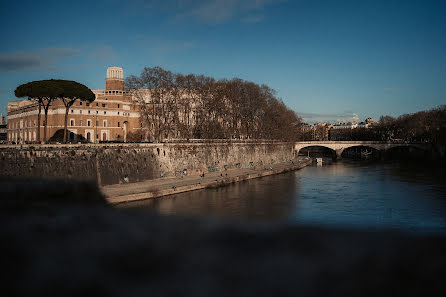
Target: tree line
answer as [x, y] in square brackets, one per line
[174, 105]
[423, 126]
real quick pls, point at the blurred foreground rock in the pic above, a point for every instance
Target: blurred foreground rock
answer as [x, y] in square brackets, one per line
[60, 238]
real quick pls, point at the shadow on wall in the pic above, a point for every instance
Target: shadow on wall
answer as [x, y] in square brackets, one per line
[71, 137]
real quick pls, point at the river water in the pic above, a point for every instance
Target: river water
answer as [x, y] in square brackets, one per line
[378, 195]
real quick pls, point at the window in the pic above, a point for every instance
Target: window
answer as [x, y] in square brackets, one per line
[97, 104]
[80, 123]
[88, 123]
[80, 103]
[97, 123]
[118, 105]
[88, 112]
[105, 112]
[80, 111]
[88, 103]
[72, 111]
[118, 112]
[103, 104]
[71, 122]
[119, 124]
[104, 123]
[97, 112]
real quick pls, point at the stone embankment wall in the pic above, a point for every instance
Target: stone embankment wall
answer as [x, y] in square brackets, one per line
[121, 163]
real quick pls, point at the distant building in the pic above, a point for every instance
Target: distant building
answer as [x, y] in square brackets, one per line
[3, 129]
[347, 125]
[111, 117]
[349, 130]
[317, 131]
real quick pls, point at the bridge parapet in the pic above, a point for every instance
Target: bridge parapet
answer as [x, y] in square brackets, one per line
[340, 146]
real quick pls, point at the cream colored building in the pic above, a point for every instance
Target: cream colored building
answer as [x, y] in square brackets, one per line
[110, 117]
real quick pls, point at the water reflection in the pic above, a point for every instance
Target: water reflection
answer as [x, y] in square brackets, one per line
[269, 198]
[372, 195]
[406, 196]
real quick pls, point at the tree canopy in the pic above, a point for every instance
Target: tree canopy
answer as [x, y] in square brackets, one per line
[55, 88]
[45, 91]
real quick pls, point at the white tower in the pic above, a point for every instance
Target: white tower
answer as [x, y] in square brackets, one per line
[115, 79]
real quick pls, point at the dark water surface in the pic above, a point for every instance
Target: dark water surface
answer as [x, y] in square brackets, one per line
[397, 195]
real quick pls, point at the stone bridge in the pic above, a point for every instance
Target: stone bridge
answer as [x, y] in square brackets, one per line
[340, 146]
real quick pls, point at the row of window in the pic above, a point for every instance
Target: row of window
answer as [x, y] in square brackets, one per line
[22, 123]
[22, 136]
[104, 123]
[115, 92]
[97, 104]
[32, 123]
[97, 112]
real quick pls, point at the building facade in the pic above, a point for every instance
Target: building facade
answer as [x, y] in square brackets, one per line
[3, 129]
[112, 116]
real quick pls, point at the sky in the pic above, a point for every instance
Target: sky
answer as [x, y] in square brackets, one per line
[327, 60]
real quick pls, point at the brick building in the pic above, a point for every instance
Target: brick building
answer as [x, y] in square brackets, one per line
[111, 117]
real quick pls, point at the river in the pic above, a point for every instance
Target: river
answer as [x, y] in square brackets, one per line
[372, 195]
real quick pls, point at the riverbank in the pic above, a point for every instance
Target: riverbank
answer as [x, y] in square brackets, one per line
[61, 238]
[121, 193]
[122, 163]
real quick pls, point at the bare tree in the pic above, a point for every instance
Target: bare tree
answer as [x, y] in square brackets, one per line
[176, 105]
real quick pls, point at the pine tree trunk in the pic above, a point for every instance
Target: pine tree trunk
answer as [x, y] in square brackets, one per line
[38, 120]
[67, 107]
[45, 122]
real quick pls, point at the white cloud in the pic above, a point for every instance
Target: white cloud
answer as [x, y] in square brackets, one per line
[44, 59]
[54, 58]
[346, 116]
[205, 11]
[219, 11]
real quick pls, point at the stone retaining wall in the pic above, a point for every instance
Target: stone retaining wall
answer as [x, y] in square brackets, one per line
[121, 163]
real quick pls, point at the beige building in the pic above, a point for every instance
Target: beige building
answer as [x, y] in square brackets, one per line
[111, 117]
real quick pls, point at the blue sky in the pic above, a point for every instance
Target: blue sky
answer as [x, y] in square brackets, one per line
[327, 60]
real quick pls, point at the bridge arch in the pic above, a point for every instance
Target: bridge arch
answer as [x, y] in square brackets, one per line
[318, 150]
[360, 151]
